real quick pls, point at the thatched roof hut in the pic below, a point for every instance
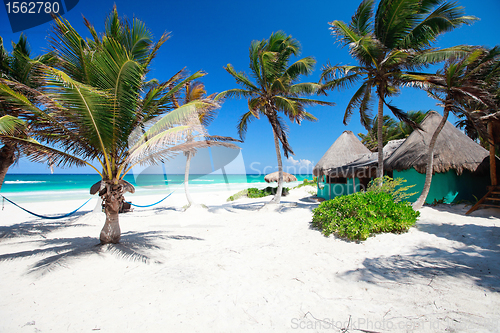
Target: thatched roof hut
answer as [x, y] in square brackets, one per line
[366, 164]
[273, 177]
[453, 150]
[344, 150]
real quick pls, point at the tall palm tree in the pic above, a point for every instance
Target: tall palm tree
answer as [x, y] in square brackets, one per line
[392, 130]
[395, 38]
[17, 67]
[275, 90]
[195, 91]
[461, 81]
[99, 108]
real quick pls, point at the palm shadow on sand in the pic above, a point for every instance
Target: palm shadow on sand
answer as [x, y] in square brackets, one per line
[60, 252]
[475, 256]
[39, 227]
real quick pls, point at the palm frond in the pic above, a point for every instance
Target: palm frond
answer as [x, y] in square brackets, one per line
[242, 126]
[10, 125]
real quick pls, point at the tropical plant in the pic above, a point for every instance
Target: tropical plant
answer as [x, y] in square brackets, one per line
[275, 90]
[98, 107]
[395, 38]
[195, 91]
[460, 81]
[362, 214]
[391, 130]
[17, 67]
[391, 186]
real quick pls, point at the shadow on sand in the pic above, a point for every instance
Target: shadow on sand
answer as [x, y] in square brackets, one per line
[39, 227]
[475, 254]
[57, 252]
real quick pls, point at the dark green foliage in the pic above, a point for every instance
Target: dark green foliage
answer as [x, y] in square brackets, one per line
[256, 193]
[359, 215]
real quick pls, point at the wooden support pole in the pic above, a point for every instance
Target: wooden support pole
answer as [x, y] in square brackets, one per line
[493, 166]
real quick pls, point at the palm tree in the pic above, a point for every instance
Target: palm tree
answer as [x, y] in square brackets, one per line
[17, 67]
[392, 130]
[394, 39]
[275, 91]
[99, 108]
[461, 81]
[195, 91]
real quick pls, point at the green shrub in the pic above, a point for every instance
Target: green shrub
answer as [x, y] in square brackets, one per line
[359, 215]
[392, 186]
[307, 182]
[242, 193]
[256, 193]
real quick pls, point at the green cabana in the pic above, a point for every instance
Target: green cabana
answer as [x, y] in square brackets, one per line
[460, 168]
[331, 182]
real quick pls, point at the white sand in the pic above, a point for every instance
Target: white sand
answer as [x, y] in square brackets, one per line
[234, 268]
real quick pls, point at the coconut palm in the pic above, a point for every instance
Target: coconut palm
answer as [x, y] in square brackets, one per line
[195, 91]
[99, 108]
[395, 38]
[17, 67]
[392, 130]
[461, 81]
[275, 90]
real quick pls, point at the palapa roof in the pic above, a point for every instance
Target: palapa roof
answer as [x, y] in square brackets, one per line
[344, 150]
[273, 177]
[453, 149]
[365, 161]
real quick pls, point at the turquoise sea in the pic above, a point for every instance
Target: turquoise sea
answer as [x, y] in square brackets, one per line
[53, 187]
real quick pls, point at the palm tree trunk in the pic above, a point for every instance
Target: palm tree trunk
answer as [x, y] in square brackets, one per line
[380, 138]
[113, 199]
[277, 196]
[7, 158]
[430, 158]
[186, 178]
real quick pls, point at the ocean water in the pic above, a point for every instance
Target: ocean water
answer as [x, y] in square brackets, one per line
[53, 187]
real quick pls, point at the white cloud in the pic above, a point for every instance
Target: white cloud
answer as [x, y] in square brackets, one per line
[300, 162]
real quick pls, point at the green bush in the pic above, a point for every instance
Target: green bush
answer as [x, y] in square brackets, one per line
[307, 182]
[392, 186]
[256, 193]
[359, 215]
[242, 193]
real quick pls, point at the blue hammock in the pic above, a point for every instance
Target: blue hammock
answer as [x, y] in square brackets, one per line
[47, 217]
[151, 204]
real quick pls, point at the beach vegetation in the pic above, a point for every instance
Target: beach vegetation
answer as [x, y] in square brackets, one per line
[99, 107]
[18, 68]
[386, 42]
[363, 214]
[307, 182]
[275, 91]
[195, 91]
[391, 130]
[254, 192]
[461, 81]
[394, 187]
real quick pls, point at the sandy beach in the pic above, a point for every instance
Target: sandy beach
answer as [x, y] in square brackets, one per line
[236, 268]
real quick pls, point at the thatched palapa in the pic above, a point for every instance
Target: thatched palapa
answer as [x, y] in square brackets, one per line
[273, 177]
[344, 150]
[453, 150]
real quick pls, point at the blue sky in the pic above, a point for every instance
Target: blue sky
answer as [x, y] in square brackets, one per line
[207, 35]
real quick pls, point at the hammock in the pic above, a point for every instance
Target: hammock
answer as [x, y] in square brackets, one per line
[151, 204]
[47, 217]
